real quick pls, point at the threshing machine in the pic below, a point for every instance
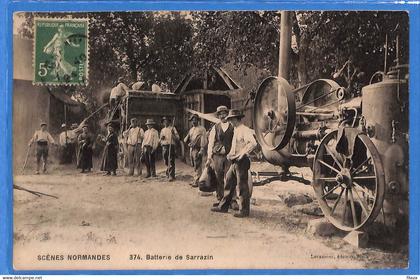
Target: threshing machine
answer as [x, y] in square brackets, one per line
[355, 140]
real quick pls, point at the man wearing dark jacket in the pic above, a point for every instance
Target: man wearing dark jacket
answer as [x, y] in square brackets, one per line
[243, 143]
[220, 142]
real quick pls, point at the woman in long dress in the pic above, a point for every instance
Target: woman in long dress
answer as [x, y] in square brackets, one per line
[85, 150]
[110, 156]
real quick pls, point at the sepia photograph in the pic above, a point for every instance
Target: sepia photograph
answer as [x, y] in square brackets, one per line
[204, 140]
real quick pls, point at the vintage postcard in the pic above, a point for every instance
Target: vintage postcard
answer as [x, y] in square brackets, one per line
[210, 140]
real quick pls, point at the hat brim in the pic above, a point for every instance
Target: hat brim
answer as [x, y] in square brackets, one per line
[222, 111]
[234, 116]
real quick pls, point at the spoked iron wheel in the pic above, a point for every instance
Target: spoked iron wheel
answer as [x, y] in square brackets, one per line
[274, 113]
[350, 191]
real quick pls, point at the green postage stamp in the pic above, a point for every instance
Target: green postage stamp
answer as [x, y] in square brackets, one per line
[60, 51]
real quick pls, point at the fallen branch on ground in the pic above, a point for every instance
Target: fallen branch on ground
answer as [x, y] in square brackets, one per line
[33, 192]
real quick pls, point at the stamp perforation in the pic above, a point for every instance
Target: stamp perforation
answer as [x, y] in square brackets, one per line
[86, 51]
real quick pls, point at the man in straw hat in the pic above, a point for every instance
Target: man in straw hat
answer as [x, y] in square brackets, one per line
[243, 143]
[220, 141]
[134, 136]
[197, 141]
[43, 139]
[168, 138]
[149, 146]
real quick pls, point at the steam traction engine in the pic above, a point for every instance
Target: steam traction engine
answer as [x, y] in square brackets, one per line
[354, 139]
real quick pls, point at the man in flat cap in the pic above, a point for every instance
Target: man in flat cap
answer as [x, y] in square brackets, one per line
[243, 143]
[168, 138]
[220, 142]
[43, 140]
[149, 146]
[197, 141]
[134, 136]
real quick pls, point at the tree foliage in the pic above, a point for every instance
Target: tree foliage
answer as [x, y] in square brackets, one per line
[325, 40]
[322, 41]
[152, 47]
[162, 47]
[242, 38]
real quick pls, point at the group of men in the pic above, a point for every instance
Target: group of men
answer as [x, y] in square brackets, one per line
[227, 146]
[141, 146]
[75, 144]
[120, 89]
[118, 93]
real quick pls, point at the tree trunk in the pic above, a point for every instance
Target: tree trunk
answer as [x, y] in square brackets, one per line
[303, 45]
[132, 64]
[131, 60]
[133, 71]
[301, 66]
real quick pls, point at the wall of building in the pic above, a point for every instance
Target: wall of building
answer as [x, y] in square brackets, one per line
[239, 103]
[156, 107]
[30, 107]
[74, 114]
[249, 80]
[33, 104]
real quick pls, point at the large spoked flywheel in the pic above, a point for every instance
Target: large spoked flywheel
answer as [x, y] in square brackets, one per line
[274, 113]
[350, 189]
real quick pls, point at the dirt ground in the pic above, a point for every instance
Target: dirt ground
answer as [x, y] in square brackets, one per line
[136, 223]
